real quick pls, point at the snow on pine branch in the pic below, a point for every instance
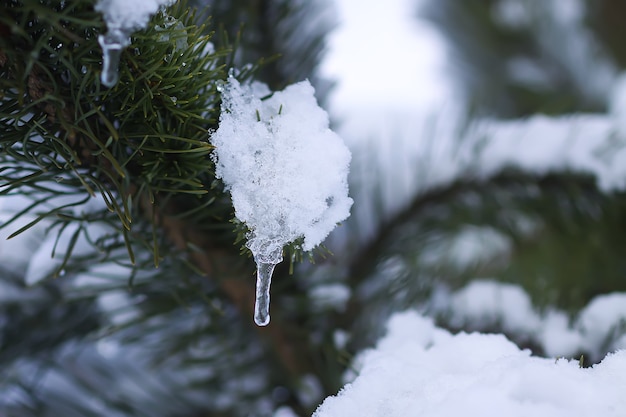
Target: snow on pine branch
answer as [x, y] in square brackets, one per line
[285, 169]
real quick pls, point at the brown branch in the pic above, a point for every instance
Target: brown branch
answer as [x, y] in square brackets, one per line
[236, 281]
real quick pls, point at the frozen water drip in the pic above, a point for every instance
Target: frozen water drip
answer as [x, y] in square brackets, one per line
[264, 273]
[267, 252]
[113, 43]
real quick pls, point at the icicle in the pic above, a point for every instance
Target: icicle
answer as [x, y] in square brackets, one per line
[262, 303]
[113, 43]
[267, 254]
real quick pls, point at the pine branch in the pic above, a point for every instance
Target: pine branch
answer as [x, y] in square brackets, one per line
[134, 141]
[234, 276]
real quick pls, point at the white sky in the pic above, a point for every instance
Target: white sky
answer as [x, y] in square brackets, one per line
[384, 56]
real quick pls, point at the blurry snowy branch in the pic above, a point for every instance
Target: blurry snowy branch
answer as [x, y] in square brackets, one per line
[494, 198]
[527, 56]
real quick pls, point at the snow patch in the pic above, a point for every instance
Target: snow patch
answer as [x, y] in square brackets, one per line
[421, 370]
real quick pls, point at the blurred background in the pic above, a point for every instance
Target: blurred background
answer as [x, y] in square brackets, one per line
[488, 171]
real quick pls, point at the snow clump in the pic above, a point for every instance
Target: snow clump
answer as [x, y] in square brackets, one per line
[285, 169]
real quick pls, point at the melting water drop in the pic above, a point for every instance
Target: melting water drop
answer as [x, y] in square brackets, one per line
[262, 302]
[113, 43]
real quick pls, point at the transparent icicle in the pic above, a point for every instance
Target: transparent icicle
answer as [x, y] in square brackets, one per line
[264, 273]
[113, 43]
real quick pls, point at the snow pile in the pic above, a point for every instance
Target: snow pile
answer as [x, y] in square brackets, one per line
[421, 370]
[285, 169]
